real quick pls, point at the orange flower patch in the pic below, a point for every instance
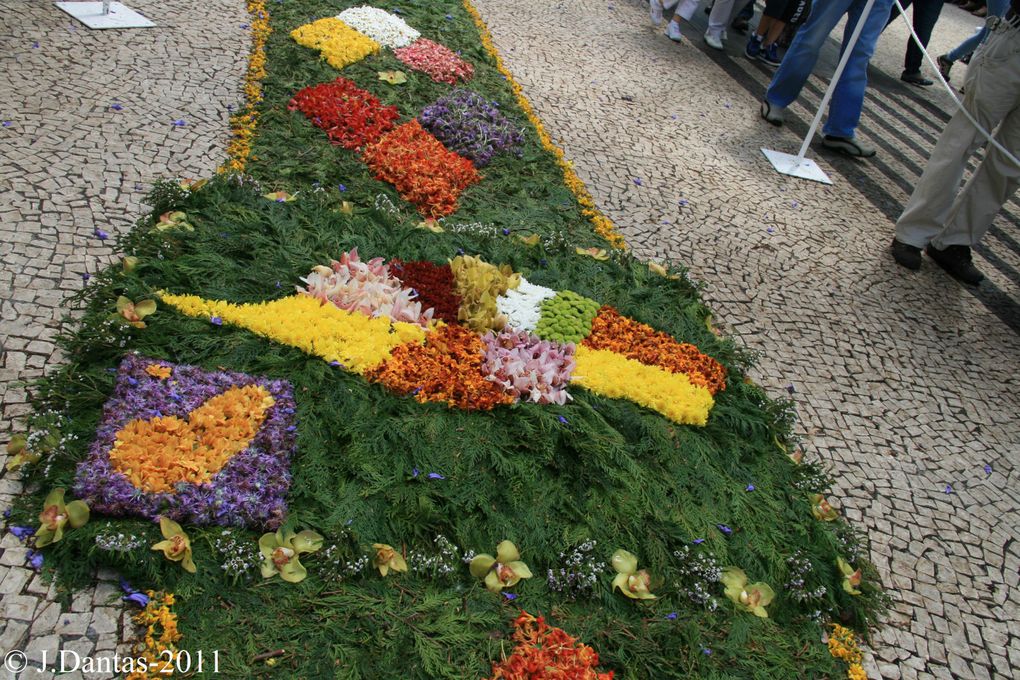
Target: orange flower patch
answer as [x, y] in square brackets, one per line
[158, 453]
[640, 342]
[158, 371]
[547, 653]
[424, 171]
[447, 368]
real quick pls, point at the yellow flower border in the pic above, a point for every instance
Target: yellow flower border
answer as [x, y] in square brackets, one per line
[243, 123]
[604, 226]
[158, 620]
[843, 645]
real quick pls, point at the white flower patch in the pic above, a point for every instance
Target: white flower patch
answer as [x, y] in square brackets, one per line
[386, 29]
[522, 306]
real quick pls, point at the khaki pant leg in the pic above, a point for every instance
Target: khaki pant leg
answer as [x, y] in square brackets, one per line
[992, 84]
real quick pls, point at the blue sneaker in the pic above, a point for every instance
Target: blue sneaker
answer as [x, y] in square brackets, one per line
[770, 55]
[753, 48]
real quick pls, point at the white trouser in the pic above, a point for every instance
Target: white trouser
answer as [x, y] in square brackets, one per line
[936, 212]
[718, 19]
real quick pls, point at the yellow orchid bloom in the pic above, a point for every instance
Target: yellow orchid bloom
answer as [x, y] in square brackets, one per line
[386, 558]
[177, 546]
[56, 515]
[504, 570]
[629, 581]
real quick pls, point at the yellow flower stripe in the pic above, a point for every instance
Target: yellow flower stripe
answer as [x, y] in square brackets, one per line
[843, 645]
[339, 44]
[158, 621]
[357, 341]
[242, 123]
[614, 375]
[604, 226]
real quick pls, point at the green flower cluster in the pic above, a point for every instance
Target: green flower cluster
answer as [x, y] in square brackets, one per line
[566, 317]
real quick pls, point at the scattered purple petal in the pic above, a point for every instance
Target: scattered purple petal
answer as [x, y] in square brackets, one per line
[116, 107]
[506, 232]
[510, 596]
[988, 469]
[101, 235]
[449, 17]
[141, 599]
[415, 472]
[949, 488]
[86, 276]
[435, 475]
[637, 180]
[771, 230]
[342, 187]
[728, 105]
[132, 381]
[674, 116]
[216, 321]
[750, 487]
[7, 513]
[563, 421]
[706, 651]
[35, 45]
[180, 122]
[671, 616]
[35, 559]
[790, 388]
[794, 204]
[6, 123]
[683, 202]
[21, 533]
[334, 363]
[698, 541]
[725, 529]
[278, 284]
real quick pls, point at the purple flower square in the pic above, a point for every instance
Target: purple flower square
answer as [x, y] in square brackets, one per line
[469, 124]
[250, 490]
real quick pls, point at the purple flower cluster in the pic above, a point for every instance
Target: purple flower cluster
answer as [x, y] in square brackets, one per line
[250, 490]
[465, 122]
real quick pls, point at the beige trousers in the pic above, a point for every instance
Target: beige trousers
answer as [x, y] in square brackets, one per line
[937, 212]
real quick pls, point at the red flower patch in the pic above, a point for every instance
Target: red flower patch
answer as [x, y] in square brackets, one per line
[543, 652]
[350, 116]
[434, 285]
[424, 171]
[436, 61]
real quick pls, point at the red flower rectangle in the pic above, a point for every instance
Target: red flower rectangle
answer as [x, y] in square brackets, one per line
[351, 117]
[424, 171]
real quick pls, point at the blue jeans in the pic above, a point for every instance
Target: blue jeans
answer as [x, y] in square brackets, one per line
[996, 8]
[800, 59]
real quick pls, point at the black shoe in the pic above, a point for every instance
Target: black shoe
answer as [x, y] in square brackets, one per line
[915, 79]
[739, 26]
[957, 261]
[907, 255]
[944, 66]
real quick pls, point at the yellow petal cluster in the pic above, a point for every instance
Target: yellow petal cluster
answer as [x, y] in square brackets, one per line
[356, 341]
[339, 44]
[242, 124]
[157, 453]
[161, 636]
[480, 284]
[614, 375]
[604, 226]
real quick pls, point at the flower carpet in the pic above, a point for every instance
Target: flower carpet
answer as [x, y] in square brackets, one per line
[388, 398]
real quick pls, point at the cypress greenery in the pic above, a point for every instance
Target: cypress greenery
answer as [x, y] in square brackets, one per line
[546, 477]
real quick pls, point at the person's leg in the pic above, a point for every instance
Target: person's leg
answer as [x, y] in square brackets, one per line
[926, 14]
[800, 59]
[997, 178]
[719, 17]
[684, 11]
[894, 11]
[848, 96]
[995, 8]
[927, 213]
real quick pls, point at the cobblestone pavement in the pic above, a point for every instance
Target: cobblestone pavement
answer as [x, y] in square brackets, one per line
[905, 383]
[88, 122]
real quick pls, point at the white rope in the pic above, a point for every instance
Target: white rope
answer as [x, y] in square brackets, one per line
[952, 93]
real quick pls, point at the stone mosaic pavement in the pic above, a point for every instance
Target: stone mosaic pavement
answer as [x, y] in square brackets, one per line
[905, 383]
[72, 163]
